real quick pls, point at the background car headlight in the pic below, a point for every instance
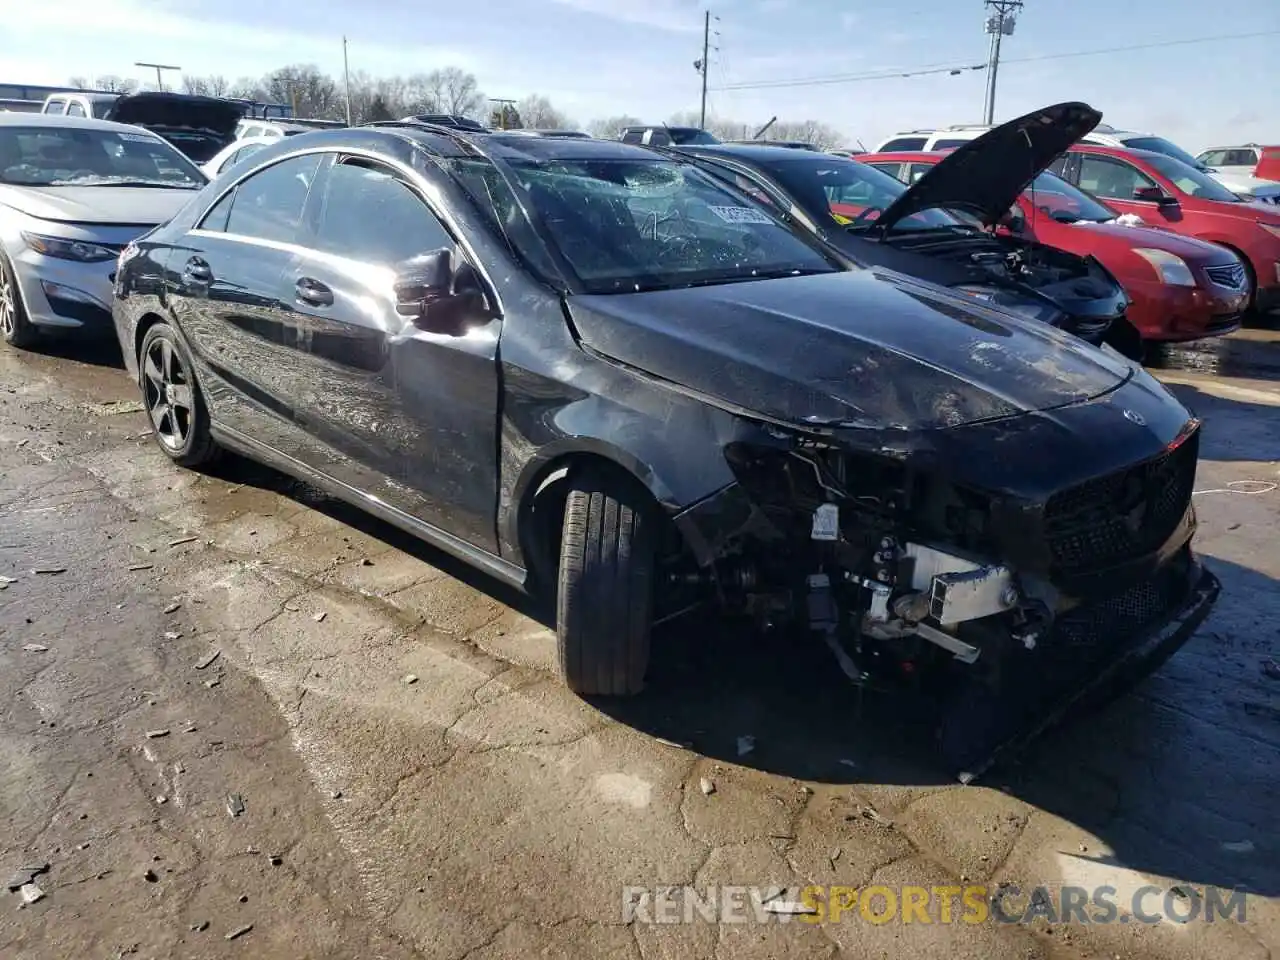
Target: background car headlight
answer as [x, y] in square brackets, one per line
[63, 249]
[1013, 302]
[1271, 228]
[1173, 270]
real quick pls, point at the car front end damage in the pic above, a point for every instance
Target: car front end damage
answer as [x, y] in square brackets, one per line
[1026, 596]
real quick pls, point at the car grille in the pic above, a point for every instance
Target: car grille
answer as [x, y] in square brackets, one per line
[1123, 516]
[1097, 628]
[1232, 276]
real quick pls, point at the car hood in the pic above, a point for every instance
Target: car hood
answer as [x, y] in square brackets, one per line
[126, 206]
[1244, 184]
[178, 111]
[845, 349]
[1149, 237]
[986, 176]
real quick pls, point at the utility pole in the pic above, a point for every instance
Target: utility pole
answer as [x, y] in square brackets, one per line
[999, 24]
[157, 67]
[346, 79]
[702, 65]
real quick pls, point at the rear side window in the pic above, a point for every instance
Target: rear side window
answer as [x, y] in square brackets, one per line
[892, 169]
[56, 106]
[904, 143]
[917, 170]
[632, 136]
[369, 214]
[75, 110]
[948, 144]
[268, 205]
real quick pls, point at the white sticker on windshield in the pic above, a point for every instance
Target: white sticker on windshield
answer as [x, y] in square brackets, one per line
[137, 137]
[740, 215]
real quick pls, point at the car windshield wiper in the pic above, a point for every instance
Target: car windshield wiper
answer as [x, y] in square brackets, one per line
[125, 182]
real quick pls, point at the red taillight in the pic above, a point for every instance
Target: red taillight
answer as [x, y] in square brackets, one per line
[1187, 430]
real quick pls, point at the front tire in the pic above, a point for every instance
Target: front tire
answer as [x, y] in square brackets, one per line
[604, 602]
[15, 329]
[172, 398]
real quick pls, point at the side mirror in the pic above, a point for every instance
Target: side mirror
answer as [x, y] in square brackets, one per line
[1154, 195]
[426, 292]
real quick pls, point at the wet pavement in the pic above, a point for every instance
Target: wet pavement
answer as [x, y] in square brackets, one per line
[230, 702]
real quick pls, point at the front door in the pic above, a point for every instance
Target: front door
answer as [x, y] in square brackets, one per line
[403, 414]
[1115, 181]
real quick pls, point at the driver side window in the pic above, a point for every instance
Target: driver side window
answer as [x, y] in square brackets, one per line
[1113, 179]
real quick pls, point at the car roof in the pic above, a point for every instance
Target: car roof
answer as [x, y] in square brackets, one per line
[1106, 149]
[61, 120]
[446, 141]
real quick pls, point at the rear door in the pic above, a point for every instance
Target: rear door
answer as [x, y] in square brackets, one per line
[406, 415]
[228, 293]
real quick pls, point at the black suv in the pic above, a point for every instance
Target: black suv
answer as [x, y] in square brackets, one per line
[599, 373]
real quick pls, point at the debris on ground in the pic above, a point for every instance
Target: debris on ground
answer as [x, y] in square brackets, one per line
[156, 734]
[833, 856]
[25, 874]
[113, 407]
[335, 794]
[745, 745]
[672, 743]
[34, 647]
[200, 927]
[208, 659]
[707, 787]
[181, 540]
[161, 798]
[49, 571]
[135, 567]
[30, 893]
[4, 579]
[318, 616]
[1271, 668]
[150, 876]
[173, 607]
[172, 635]
[235, 804]
[212, 683]
[366, 562]
[410, 678]
[868, 812]
[238, 932]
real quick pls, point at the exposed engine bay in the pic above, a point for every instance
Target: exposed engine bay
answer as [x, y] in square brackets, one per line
[899, 571]
[1049, 271]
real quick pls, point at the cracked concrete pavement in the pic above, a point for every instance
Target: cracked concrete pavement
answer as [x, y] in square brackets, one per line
[480, 810]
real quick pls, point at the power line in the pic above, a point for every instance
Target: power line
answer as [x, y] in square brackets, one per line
[955, 69]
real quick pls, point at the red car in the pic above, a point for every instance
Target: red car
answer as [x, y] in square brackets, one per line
[1168, 193]
[1182, 289]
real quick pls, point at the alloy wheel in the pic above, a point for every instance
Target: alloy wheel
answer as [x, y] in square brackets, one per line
[167, 394]
[8, 308]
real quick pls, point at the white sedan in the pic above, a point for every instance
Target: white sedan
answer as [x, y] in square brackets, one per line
[235, 151]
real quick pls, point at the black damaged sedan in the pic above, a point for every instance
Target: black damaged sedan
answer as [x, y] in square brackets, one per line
[600, 374]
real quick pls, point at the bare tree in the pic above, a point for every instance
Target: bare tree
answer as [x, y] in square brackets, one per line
[808, 131]
[211, 86]
[459, 92]
[247, 88]
[610, 128]
[308, 91]
[537, 113]
[109, 82]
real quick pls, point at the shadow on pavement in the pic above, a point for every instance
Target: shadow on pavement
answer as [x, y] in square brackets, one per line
[1233, 356]
[98, 350]
[1183, 763]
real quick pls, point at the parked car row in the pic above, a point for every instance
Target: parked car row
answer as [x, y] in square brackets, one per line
[614, 376]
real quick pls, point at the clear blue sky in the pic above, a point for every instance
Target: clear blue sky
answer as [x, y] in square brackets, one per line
[596, 58]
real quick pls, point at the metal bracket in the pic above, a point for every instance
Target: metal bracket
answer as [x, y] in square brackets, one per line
[964, 652]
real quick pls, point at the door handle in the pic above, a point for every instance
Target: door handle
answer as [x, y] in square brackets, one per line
[313, 292]
[197, 271]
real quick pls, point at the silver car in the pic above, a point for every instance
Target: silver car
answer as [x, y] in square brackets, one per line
[74, 192]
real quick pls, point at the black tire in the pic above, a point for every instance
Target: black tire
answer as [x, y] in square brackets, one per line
[15, 329]
[179, 417]
[604, 600]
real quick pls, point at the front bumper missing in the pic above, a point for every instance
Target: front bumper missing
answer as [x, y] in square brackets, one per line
[1139, 656]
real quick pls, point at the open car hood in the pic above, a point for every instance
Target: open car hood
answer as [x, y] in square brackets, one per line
[858, 348]
[985, 176]
[178, 111]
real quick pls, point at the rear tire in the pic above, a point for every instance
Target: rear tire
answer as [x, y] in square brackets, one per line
[15, 329]
[604, 600]
[172, 399]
